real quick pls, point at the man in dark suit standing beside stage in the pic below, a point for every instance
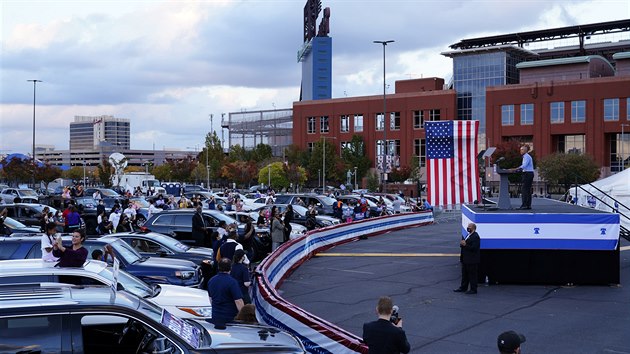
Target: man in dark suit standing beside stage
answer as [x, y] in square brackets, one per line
[470, 257]
[383, 336]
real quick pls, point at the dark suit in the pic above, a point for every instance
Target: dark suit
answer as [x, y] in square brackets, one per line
[382, 337]
[199, 233]
[470, 256]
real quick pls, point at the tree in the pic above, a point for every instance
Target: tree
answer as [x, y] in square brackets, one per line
[279, 179]
[510, 150]
[215, 155]
[262, 152]
[47, 173]
[198, 173]
[240, 172]
[134, 169]
[400, 174]
[162, 172]
[295, 174]
[354, 155]
[373, 183]
[17, 169]
[181, 169]
[316, 162]
[238, 153]
[74, 173]
[567, 169]
[105, 171]
[294, 155]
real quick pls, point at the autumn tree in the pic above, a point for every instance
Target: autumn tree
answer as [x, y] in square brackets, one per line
[240, 172]
[47, 173]
[75, 173]
[274, 172]
[295, 174]
[162, 172]
[105, 171]
[17, 170]
[567, 169]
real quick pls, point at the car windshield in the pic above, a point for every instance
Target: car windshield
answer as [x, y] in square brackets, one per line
[169, 242]
[141, 202]
[87, 202]
[125, 251]
[12, 223]
[220, 216]
[40, 207]
[105, 192]
[129, 282]
[298, 209]
[28, 193]
[327, 200]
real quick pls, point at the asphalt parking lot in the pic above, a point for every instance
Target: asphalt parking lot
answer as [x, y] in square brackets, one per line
[419, 268]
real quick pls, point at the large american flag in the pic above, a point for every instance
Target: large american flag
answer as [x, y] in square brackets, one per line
[452, 169]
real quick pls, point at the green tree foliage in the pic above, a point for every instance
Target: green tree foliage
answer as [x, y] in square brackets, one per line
[17, 170]
[238, 153]
[47, 173]
[354, 155]
[262, 152]
[316, 162]
[295, 174]
[279, 178]
[215, 155]
[105, 171]
[240, 172]
[400, 174]
[296, 156]
[198, 174]
[567, 169]
[163, 172]
[373, 183]
[74, 173]
[181, 169]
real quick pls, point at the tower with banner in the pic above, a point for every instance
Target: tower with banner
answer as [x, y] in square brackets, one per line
[315, 54]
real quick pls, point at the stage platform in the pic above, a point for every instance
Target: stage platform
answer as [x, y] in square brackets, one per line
[553, 243]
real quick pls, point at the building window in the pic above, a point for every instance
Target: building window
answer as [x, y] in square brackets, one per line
[310, 147]
[418, 120]
[345, 123]
[628, 108]
[394, 121]
[507, 114]
[611, 109]
[420, 150]
[380, 121]
[323, 124]
[434, 114]
[578, 111]
[557, 112]
[572, 144]
[380, 150]
[358, 122]
[310, 125]
[527, 114]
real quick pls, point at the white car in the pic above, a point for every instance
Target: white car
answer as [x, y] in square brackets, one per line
[181, 301]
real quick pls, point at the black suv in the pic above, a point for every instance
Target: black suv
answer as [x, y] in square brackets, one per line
[323, 204]
[26, 213]
[72, 319]
[152, 270]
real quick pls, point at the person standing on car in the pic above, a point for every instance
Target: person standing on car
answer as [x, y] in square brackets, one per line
[73, 256]
[199, 228]
[277, 230]
[48, 240]
[225, 295]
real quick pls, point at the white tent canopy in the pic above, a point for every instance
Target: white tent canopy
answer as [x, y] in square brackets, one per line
[616, 186]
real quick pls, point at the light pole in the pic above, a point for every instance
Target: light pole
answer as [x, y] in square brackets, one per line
[384, 43]
[34, 81]
[207, 153]
[356, 186]
[623, 160]
[84, 162]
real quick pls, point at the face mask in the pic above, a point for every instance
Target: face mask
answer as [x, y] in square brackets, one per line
[469, 230]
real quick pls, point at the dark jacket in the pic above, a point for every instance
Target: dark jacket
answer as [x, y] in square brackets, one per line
[199, 232]
[382, 337]
[470, 254]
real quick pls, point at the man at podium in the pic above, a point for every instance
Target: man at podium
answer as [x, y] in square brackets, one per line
[527, 169]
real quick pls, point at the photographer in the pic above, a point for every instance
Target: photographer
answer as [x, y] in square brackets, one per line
[385, 335]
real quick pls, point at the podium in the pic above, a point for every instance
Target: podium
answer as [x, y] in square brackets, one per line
[504, 188]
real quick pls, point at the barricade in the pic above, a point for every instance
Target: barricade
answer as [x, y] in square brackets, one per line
[318, 335]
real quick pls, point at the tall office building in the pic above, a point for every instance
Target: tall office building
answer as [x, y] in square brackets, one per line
[94, 132]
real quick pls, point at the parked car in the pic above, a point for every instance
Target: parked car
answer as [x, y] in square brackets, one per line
[20, 195]
[26, 213]
[353, 199]
[178, 300]
[151, 270]
[12, 226]
[105, 192]
[299, 215]
[323, 204]
[71, 319]
[158, 245]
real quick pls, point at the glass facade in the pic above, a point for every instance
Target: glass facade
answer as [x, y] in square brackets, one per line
[507, 114]
[473, 73]
[358, 122]
[611, 109]
[88, 133]
[556, 110]
[380, 121]
[578, 111]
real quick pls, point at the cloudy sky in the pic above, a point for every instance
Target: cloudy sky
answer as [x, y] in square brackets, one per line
[168, 65]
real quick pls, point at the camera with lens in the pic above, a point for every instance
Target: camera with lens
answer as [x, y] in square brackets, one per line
[394, 318]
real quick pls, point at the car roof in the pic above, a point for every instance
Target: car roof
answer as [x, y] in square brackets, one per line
[28, 266]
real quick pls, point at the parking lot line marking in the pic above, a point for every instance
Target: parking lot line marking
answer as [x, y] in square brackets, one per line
[388, 254]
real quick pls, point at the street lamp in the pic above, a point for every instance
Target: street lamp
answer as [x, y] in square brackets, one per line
[34, 81]
[384, 43]
[84, 184]
[207, 153]
[356, 186]
[623, 160]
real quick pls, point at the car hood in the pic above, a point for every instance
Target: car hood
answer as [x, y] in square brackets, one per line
[172, 263]
[202, 251]
[172, 295]
[251, 336]
[334, 221]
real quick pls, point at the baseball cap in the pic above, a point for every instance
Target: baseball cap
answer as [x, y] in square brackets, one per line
[509, 341]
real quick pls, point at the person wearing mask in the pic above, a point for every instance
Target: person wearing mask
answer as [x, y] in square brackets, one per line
[277, 231]
[124, 225]
[73, 256]
[470, 257]
[59, 220]
[199, 229]
[225, 295]
[48, 240]
[241, 274]
[382, 335]
[104, 225]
